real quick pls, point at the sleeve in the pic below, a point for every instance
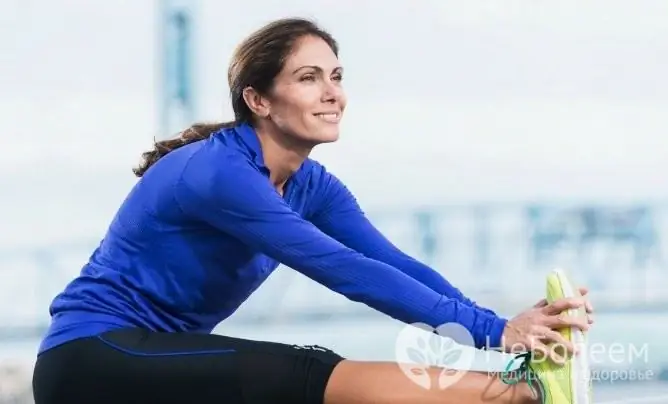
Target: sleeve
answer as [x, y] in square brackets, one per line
[341, 217]
[235, 198]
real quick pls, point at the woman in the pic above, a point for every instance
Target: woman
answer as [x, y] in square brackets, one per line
[212, 215]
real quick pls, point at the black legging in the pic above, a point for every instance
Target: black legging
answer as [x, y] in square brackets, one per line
[138, 366]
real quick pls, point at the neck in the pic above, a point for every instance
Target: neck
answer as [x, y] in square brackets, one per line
[282, 156]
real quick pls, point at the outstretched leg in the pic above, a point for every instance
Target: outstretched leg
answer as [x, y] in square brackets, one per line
[354, 382]
[134, 366]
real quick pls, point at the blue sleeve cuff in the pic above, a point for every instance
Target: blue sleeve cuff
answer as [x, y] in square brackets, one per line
[495, 334]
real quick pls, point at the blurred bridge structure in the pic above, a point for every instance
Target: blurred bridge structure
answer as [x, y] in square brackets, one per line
[497, 254]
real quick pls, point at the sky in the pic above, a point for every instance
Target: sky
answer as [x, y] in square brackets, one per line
[448, 100]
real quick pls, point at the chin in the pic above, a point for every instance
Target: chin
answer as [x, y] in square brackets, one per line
[324, 136]
[329, 137]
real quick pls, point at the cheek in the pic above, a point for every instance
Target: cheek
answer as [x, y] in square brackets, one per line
[291, 116]
[295, 110]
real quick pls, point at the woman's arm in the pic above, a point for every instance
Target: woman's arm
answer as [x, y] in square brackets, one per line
[340, 216]
[236, 199]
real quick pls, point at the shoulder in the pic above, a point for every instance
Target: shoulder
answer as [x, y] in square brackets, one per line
[326, 189]
[216, 171]
[217, 153]
[218, 159]
[319, 177]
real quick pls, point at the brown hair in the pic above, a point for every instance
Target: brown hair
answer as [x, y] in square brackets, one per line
[255, 63]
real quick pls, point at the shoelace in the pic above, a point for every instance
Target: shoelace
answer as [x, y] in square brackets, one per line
[513, 376]
[524, 372]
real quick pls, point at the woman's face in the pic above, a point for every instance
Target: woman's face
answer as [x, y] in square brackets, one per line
[307, 99]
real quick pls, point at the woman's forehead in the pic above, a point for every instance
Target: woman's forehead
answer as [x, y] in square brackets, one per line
[312, 51]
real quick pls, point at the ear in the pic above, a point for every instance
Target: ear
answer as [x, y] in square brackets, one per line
[258, 104]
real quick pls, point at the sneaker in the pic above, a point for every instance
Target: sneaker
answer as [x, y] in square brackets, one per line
[559, 384]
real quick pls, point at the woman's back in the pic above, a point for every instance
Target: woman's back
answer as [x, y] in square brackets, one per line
[159, 267]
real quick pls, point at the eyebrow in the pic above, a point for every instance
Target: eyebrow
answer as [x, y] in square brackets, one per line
[337, 69]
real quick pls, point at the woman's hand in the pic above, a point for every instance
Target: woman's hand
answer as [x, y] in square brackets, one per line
[587, 304]
[538, 327]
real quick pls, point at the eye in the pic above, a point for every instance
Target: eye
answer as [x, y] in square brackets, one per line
[308, 77]
[337, 77]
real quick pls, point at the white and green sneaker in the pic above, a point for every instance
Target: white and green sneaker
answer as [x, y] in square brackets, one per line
[569, 383]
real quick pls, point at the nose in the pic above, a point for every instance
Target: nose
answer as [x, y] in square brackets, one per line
[332, 92]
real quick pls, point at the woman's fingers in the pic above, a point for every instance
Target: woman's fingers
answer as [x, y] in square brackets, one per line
[546, 343]
[554, 352]
[563, 347]
[588, 306]
[564, 321]
[541, 303]
[562, 305]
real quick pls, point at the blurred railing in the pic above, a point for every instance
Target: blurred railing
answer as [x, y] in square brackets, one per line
[497, 254]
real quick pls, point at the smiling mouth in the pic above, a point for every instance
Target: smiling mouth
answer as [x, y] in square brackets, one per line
[329, 117]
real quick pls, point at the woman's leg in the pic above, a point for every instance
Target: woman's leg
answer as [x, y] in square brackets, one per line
[355, 382]
[134, 366]
[138, 366]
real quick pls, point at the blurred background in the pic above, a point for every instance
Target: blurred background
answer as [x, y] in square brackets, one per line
[491, 140]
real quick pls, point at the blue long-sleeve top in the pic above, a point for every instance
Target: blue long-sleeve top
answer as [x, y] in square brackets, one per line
[204, 227]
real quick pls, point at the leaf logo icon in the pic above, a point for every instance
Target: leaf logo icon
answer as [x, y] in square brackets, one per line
[434, 357]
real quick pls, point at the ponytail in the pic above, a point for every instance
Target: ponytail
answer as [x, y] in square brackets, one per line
[196, 132]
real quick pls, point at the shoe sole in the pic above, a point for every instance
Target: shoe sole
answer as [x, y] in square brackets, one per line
[579, 364]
